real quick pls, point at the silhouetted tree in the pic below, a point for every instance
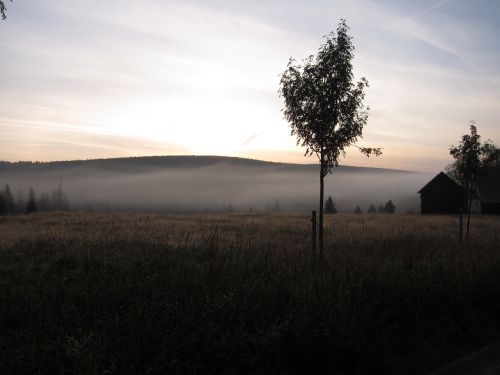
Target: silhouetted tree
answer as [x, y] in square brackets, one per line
[324, 106]
[20, 202]
[330, 206]
[471, 157]
[357, 210]
[31, 206]
[389, 207]
[381, 209]
[44, 203]
[372, 209]
[3, 9]
[59, 199]
[10, 204]
[2, 205]
[276, 208]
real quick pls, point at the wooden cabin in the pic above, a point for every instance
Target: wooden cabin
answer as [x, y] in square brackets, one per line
[441, 195]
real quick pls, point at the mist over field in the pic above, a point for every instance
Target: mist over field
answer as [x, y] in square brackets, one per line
[194, 184]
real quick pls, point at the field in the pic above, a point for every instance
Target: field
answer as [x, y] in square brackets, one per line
[239, 294]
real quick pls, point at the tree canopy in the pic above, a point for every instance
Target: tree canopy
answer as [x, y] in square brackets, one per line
[323, 104]
[471, 157]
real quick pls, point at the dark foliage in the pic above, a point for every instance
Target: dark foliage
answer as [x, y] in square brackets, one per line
[31, 206]
[10, 204]
[389, 207]
[372, 209]
[357, 210]
[330, 206]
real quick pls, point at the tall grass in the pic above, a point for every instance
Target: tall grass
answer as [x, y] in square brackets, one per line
[208, 294]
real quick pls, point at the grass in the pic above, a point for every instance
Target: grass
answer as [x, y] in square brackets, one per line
[240, 294]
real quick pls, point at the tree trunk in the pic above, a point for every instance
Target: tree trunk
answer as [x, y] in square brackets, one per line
[321, 196]
[461, 222]
[468, 214]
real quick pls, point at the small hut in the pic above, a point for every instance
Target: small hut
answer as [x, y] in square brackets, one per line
[441, 195]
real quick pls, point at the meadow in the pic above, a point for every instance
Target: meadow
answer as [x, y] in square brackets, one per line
[93, 293]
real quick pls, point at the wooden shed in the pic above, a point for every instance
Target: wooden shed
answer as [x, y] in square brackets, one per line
[441, 195]
[488, 190]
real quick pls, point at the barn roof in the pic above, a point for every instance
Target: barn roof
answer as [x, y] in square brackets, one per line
[441, 179]
[488, 185]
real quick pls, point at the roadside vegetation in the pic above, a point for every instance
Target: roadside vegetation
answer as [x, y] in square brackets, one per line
[235, 294]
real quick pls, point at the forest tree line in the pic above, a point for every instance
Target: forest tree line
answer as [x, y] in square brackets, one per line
[387, 208]
[55, 201]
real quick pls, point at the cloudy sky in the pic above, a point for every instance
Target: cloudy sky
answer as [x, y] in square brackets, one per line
[86, 79]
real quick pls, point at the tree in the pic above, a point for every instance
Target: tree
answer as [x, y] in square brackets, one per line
[20, 202]
[44, 203]
[381, 209]
[2, 204]
[471, 158]
[372, 209]
[31, 206]
[276, 208]
[325, 107]
[389, 207]
[330, 206]
[3, 9]
[10, 204]
[357, 210]
[59, 201]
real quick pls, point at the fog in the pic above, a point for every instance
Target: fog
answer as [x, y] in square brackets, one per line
[213, 186]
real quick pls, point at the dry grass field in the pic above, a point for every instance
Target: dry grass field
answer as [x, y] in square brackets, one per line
[235, 294]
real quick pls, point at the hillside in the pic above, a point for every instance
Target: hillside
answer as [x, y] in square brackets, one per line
[132, 164]
[197, 183]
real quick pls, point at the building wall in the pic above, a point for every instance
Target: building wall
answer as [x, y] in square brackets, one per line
[490, 208]
[440, 203]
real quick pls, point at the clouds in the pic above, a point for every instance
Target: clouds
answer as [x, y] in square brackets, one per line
[204, 76]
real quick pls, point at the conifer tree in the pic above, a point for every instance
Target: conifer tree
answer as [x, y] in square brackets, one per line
[10, 204]
[31, 206]
[389, 207]
[330, 206]
[2, 204]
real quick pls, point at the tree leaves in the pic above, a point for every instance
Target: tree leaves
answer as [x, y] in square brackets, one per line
[471, 156]
[323, 104]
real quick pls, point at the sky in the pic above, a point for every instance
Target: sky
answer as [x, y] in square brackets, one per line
[84, 79]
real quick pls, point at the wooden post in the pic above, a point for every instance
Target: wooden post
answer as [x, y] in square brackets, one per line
[313, 232]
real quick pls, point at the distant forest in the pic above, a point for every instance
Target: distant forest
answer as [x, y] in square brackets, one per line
[55, 201]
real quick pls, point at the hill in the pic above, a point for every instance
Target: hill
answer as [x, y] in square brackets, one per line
[197, 183]
[132, 164]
